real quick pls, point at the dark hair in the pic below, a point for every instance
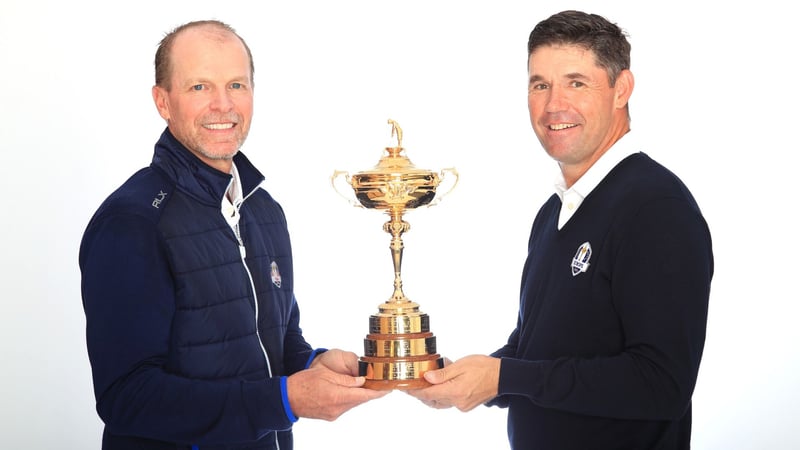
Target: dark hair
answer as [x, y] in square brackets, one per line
[163, 60]
[604, 39]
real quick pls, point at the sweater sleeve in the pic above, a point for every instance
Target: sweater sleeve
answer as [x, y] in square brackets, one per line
[660, 286]
[128, 298]
[507, 351]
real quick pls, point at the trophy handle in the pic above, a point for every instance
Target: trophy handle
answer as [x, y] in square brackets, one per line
[443, 176]
[337, 174]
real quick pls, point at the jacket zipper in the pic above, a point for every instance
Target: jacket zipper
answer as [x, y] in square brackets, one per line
[243, 254]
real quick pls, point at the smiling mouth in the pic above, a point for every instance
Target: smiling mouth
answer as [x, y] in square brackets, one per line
[219, 126]
[562, 126]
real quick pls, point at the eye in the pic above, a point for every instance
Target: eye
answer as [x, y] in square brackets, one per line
[197, 87]
[576, 84]
[537, 87]
[236, 85]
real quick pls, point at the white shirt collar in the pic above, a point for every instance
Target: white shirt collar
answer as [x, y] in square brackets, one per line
[572, 198]
[232, 199]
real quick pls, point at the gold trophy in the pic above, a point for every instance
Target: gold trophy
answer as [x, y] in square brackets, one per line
[400, 346]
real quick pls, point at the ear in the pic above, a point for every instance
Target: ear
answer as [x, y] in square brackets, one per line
[162, 101]
[623, 88]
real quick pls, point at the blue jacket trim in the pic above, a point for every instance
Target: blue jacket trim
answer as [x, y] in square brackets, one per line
[285, 397]
[317, 351]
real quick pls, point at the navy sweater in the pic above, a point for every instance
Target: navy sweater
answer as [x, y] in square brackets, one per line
[612, 318]
[190, 336]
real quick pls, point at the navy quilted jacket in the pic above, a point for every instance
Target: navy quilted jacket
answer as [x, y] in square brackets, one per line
[190, 334]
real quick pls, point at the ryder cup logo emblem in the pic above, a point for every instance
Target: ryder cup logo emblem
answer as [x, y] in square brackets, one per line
[580, 262]
[275, 274]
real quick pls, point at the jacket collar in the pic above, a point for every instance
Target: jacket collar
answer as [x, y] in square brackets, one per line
[196, 178]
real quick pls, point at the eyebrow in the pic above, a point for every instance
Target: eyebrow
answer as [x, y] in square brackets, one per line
[244, 79]
[570, 76]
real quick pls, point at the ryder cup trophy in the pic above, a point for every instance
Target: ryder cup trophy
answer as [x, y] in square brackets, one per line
[400, 346]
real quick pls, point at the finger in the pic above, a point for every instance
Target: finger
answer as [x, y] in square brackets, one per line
[430, 394]
[357, 381]
[344, 380]
[440, 404]
[377, 393]
[351, 363]
[362, 395]
[419, 394]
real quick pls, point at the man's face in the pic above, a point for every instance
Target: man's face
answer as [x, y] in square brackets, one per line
[574, 112]
[209, 105]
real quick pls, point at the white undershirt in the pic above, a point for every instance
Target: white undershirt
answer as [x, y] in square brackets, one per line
[232, 199]
[572, 198]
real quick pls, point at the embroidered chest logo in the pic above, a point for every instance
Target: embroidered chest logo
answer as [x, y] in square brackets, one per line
[580, 262]
[275, 274]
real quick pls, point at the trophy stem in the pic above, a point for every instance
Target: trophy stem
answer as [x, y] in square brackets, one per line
[396, 226]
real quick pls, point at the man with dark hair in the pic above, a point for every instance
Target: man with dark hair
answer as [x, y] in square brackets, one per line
[192, 327]
[615, 289]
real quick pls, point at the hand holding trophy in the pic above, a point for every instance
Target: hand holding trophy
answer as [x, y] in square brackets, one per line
[400, 346]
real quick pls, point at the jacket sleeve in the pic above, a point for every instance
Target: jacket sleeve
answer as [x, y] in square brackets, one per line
[660, 287]
[297, 352]
[128, 298]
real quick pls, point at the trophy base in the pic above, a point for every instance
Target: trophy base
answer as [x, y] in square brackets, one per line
[401, 374]
[391, 385]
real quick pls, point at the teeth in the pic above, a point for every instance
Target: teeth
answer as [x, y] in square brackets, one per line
[562, 126]
[219, 126]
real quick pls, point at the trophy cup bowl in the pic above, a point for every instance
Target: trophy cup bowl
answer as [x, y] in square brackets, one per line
[399, 347]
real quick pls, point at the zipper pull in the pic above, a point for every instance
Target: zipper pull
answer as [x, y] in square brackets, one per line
[242, 250]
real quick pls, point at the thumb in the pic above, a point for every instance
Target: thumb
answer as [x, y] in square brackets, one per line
[339, 379]
[435, 376]
[349, 381]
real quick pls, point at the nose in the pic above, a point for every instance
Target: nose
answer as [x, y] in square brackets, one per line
[222, 100]
[556, 99]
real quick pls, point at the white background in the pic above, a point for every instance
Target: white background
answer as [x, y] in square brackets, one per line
[715, 100]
